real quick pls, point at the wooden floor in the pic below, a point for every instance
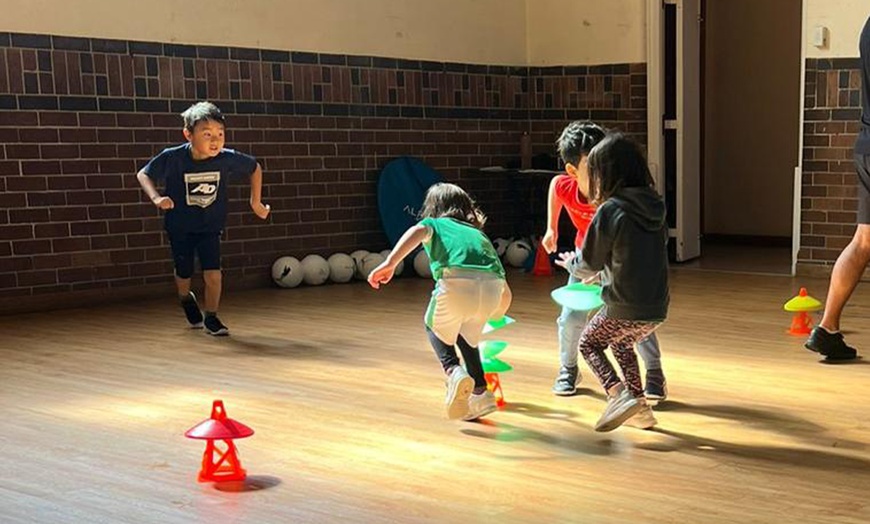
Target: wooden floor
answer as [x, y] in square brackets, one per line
[346, 400]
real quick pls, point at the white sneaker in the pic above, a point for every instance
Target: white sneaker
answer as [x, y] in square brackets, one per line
[644, 418]
[480, 405]
[621, 406]
[459, 388]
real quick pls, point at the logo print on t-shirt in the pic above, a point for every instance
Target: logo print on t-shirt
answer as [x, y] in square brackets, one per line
[202, 188]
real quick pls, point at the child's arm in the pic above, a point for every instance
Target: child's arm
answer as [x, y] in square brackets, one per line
[413, 237]
[597, 246]
[257, 206]
[554, 208]
[162, 202]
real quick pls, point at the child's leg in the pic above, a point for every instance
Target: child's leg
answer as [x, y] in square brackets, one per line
[627, 360]
[459, 384]
[183, 287]
[183, 249]
[208, 247]
[213, 283]
[471, 357]
[446, 353]
[623, 349]
[656, 387]
[570, 325]
[593, 342]
[650, 352]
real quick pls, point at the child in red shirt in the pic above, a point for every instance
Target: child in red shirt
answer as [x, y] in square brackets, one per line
[569, 191]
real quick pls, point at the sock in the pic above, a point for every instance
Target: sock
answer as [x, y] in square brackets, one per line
[828, 331]
[184, 299]
[210, 314]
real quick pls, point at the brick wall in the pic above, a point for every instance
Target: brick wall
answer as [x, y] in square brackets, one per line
[79, 116]
[829, 185]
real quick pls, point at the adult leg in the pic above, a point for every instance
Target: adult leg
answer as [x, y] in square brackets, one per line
[845, 276]
[826, 338]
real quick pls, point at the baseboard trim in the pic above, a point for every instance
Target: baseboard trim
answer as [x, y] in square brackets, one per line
[748, 240]
[94, 297]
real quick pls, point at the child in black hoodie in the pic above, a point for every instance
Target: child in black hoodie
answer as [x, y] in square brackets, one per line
[627, 244]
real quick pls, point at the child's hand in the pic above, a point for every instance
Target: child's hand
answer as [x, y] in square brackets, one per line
[261, 210]
[381, 275]
[594, 279]
[565, 259]
[163, 202]
[549, 241]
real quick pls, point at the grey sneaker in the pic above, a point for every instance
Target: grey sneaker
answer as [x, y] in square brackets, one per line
[566, 382]
[644, 419]
[480, 405]
[656, 385]
[459, 388]
[620, 407]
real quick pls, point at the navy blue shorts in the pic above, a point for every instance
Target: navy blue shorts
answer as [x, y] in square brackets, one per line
[862, 164]
[207, 246]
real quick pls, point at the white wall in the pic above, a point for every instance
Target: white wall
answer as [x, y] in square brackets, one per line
[475, 31]
[844, 20]
[586, 31]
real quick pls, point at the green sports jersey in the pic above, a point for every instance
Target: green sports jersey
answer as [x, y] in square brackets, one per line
[455, 244]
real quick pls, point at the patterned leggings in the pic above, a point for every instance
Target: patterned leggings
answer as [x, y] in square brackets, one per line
[620, 335]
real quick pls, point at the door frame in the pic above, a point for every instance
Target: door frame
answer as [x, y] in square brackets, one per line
[687, 232]
[655, 112]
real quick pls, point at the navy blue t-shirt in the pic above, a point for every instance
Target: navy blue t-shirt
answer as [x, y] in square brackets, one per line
[862, 146]
[197, 187]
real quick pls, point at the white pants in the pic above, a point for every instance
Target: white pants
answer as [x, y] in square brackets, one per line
[462, 302]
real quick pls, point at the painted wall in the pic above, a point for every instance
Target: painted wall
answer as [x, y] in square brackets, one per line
[586, 31]
[844, 20]
[471, 31]
[752, 113]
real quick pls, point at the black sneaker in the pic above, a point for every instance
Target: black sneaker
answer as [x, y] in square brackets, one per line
[213, 326]
[191, 311]
[656, 385]
[831, 345]
[566, 382]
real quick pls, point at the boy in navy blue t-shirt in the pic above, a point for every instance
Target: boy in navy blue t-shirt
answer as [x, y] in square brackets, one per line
[196, 175]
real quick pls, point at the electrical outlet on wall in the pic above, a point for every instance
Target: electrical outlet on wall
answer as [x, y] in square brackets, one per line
[820, 36]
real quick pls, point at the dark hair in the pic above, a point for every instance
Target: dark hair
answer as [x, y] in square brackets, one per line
[577, 140]
[616, 162]
[450, 201]
[200, 112]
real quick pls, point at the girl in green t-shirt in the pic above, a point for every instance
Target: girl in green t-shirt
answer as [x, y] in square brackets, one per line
[470, 289]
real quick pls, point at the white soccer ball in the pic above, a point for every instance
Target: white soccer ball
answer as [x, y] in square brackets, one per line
[517, 253]
[358, 257]
[341, 268]
[315, 270]
[421, 264]
[287, 272]
[370, 262]
[500, 245]
[399, 267]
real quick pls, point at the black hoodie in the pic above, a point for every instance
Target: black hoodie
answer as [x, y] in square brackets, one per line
[627, 243]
